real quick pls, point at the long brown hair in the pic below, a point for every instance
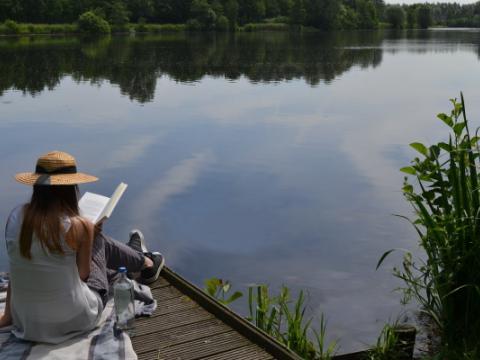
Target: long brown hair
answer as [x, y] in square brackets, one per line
[42, 217]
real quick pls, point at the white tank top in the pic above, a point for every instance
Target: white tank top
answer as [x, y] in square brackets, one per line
[49, 301]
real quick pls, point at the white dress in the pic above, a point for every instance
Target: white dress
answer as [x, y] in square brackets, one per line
[49, 302]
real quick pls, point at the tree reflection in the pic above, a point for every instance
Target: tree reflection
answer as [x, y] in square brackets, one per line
[135, 63]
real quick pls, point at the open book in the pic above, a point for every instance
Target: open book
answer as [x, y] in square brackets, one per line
[98, 208]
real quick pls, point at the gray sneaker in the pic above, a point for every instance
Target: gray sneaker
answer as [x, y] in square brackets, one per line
[137, 241]
[149, 275]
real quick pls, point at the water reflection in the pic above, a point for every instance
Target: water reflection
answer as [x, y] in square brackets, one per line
[136, 63]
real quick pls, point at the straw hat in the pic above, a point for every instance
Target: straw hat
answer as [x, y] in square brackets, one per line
[55, 168]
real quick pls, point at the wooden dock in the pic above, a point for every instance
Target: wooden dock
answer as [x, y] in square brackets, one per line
[188, 325]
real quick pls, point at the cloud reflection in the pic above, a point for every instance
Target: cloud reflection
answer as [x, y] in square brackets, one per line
[177, 180]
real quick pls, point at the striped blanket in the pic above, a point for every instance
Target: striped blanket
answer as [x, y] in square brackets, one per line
[105, 342]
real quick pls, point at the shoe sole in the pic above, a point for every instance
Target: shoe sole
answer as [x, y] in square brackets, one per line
[142, 239]
[157, 274]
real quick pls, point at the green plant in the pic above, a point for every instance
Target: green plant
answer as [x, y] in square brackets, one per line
[289, 325]
[386, 347]
[324, 351]
[91, 23]
[264, 310]
[446, 200]
[222, 23]
[11, 27]
[219, 289]
[296, 334]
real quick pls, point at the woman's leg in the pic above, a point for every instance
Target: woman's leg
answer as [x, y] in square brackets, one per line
[98, 280]
[107, 256]
[118, 254]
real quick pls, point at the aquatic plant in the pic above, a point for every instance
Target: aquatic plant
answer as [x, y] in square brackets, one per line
[443, 188]
[219, 289]
[286, 321]
[395, 342]
[280, 317]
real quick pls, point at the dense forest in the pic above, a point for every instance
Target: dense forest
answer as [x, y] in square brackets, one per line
[230, 14]
[205, 14]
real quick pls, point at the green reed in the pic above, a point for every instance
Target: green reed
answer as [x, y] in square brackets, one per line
[443, 189]
[386, 347]
[280, 317]
[285, 320]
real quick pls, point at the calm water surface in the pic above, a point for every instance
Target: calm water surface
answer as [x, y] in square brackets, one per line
[259, 158]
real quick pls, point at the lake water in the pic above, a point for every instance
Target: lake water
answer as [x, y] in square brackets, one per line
[259, 158]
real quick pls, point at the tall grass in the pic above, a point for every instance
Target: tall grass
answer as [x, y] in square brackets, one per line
[284, 319]
[281, 317]
[443, 189]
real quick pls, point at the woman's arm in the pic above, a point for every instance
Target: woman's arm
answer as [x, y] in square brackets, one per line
[80, 237]
[6, 317]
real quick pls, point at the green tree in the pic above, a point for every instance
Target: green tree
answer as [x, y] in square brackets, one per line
[272, 8]
[367, 14]
[323, 14]
[395, 16]
[10, 9]
[172, 11]
[222, 23]
[251, 10]
[348, 18]
[117, 15]
[11, 27]
[202, 12]
[140, 9]
[91, 23]
[424, 17]
[380, 8]
[411, 17]
[231, 12]
[298, 14]
[284, 7]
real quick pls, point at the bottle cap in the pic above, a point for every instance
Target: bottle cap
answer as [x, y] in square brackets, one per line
[122, 269]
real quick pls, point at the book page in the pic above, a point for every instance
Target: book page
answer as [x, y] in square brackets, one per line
[110, 206]
[92, 206]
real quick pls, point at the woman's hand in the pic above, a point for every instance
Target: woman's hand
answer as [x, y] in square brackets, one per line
[6, 317]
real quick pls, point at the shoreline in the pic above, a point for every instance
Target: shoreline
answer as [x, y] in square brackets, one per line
[28, 29]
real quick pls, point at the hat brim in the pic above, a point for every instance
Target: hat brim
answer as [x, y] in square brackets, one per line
[55, 179]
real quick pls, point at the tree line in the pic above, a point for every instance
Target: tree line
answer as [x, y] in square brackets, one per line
[205, 14]
[439, 14]
[230, 14]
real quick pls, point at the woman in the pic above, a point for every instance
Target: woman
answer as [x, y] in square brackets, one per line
[59, 261]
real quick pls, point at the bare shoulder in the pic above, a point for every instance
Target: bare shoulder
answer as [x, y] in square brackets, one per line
[81, 230]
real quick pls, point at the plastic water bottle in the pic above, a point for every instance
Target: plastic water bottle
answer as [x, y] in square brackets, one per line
[123, 298]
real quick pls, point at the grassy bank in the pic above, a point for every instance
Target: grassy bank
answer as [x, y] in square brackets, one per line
[16, 28]
[41, 29]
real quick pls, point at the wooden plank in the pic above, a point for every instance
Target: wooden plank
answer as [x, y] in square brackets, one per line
[168, 321]
[232, 319]
[200, 348]
[160, 282]
[360, 355]
[179, 335]
[248, 352]
[170, 306]
[165, 293]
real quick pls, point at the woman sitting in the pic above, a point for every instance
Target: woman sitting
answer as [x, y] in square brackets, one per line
[59, 261]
